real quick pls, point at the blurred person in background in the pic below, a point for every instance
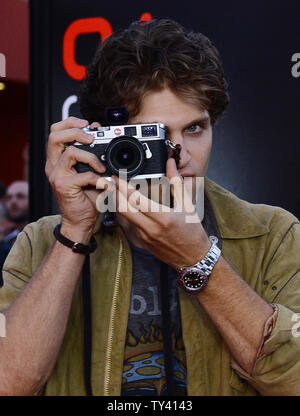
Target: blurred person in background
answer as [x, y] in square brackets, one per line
[2, 195]
[6, 225]
[16, 205]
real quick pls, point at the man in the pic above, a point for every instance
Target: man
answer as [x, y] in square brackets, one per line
[16, 205]
[235, 336]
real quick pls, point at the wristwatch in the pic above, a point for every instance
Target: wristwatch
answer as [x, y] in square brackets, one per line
[194, 278]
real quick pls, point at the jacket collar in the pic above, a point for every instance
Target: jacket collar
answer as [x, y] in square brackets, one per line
[236, 218]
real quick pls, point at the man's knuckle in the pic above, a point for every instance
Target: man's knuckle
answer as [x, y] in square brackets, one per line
[52, 136]
[154, 234]
[164, 223]
[51, 179]
[53, 127]
[70, 151]
[59, 184]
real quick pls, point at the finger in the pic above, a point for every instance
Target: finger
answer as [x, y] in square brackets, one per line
[61, 137]
[95, 124]
[85, 179]
[103, 184]
[57, 143]
[68, 123]
[175, 181]
[139, 201]
[136, 198]
[106, 198]
[181, 188]
[65, 184]
[72, 155]
[171, 169]
[74, 134]
[131, 213]
[93, 195]
[188, 191]
[125, 190]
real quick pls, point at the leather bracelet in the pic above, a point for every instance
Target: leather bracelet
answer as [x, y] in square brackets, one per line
[76, 247]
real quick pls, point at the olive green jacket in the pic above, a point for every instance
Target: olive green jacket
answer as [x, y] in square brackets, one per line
[263, 245]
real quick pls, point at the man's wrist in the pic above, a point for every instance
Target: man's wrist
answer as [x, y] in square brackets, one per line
[195, 256]
[76, 233]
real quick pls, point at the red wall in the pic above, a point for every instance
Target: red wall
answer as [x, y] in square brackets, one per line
[14, 111]
[14, 38]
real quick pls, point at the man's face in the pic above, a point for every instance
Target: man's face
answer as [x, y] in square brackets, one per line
[16, 201]
[187, 125]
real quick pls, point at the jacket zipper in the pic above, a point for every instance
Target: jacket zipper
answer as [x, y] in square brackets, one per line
[108, 361]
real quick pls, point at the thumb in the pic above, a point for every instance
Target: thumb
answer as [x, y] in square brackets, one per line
[171, 169]
[176, 183]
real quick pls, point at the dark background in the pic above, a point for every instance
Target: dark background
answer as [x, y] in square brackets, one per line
[256, 145]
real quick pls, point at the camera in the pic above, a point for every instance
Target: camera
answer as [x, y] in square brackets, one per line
[138, 148]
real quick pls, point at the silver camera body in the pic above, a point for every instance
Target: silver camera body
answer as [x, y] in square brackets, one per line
[139, 148]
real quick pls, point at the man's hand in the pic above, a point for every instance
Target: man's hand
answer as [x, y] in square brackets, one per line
[77, 206]
[227, 299]
[50, 290]
[167, 234]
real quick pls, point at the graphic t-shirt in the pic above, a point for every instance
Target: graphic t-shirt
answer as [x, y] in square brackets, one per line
[143, 370]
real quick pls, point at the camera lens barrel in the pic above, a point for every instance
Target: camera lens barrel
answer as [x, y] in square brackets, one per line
[125, 152]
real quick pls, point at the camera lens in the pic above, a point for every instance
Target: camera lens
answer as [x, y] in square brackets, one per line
[125, 153]
[125, 157]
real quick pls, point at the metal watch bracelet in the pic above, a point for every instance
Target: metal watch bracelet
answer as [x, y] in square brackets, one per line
[212, 256]
[194, 278]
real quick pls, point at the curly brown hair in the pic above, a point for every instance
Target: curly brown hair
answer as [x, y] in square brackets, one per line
[149, 56]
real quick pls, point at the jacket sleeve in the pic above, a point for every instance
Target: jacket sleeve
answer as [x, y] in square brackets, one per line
[277, 370]
[17, 270]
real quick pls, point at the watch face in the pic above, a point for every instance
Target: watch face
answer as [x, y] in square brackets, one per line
[194, 280]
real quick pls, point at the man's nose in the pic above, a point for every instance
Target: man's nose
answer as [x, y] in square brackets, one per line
[12, 202]
[13, 199]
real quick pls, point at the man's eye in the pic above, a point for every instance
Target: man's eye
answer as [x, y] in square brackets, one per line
[195, 128]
